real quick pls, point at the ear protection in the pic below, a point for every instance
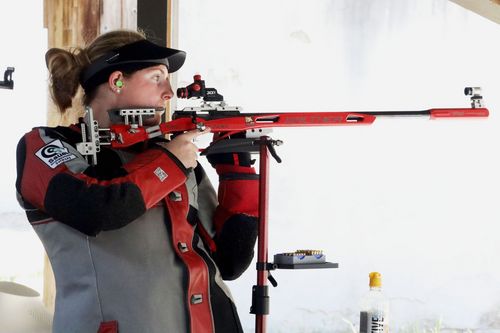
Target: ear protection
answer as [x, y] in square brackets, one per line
[119, 84]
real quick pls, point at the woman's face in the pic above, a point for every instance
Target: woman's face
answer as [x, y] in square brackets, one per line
[146, 87]
[149, 87]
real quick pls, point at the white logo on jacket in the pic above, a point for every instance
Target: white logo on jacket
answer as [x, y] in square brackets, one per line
[162, 175]
[54, 153]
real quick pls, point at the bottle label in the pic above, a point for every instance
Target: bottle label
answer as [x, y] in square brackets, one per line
[372, 322]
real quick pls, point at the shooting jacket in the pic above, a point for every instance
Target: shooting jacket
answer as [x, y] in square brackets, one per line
[137, 243]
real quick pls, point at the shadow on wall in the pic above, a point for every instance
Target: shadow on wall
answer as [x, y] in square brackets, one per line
[22, 311]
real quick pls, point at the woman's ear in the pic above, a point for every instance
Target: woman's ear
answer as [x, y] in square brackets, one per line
[115, 81]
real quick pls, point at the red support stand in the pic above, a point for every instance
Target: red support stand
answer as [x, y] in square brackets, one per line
[262, 272]
[260, 291]
[260, 294]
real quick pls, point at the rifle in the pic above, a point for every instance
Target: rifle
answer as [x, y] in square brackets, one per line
[215, 114]
[128, 129]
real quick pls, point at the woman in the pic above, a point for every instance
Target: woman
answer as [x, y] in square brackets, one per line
[138, 242]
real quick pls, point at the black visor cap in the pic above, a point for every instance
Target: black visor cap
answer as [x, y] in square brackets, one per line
[133, 56]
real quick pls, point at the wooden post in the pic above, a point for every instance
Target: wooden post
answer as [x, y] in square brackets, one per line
[489, 9]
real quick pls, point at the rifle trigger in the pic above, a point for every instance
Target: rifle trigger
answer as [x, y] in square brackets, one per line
[199, 126]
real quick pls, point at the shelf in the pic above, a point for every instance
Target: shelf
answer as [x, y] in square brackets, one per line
[308, 266]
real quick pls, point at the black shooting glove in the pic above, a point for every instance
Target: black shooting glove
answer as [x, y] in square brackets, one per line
[240, 159]
[236, 216]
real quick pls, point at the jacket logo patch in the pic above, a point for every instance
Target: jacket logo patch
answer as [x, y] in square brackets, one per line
[162, 175]
[54, 154]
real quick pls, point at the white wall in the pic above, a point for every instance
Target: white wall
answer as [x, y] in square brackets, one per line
[23, 44]
[411, 198]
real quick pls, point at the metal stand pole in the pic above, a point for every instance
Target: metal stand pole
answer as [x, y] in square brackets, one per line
[260, 294]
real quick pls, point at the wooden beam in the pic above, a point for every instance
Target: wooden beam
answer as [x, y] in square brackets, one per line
[118, 14]
[71, 22]
[489, 9]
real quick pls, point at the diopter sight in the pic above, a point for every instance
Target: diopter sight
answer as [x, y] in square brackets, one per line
[475, 96]
[197, 90]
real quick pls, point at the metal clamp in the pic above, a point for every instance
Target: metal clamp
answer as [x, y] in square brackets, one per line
[90, 144]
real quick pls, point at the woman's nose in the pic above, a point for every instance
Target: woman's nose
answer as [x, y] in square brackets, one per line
[167, 92]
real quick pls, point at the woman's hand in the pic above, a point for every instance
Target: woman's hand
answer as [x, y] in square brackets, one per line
[184, 149]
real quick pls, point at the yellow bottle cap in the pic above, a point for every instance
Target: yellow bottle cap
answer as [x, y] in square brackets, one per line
[375, 279]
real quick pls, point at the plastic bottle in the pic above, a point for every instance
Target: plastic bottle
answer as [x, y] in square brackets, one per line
[374, 315]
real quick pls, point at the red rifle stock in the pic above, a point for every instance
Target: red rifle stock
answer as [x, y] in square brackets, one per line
[124, 135]
[229, 120]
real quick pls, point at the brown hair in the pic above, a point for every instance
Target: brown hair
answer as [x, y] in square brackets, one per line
[65, 66]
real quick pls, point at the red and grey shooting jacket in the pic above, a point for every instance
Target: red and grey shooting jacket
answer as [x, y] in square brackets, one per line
[137, 243]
